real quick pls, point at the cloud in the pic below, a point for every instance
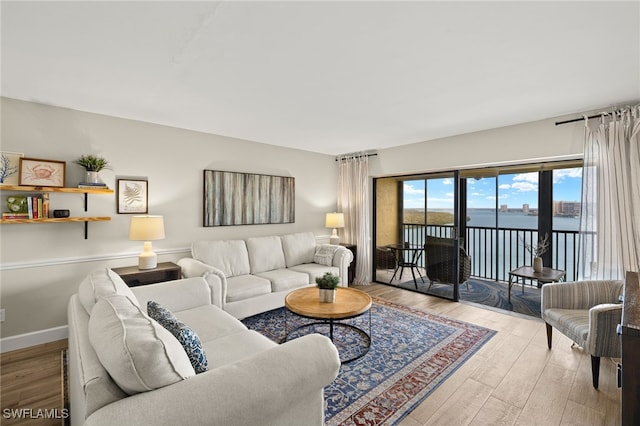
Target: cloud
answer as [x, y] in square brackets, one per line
[560, 174]
[410, 190]
[525, 186]
[527, 177]
[504, 186]
[447, 181]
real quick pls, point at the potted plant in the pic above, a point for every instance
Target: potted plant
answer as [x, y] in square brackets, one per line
[537, 251]
[327, 285]
[92, 164]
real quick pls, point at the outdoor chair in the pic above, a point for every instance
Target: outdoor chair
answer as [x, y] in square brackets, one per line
[439, 261]
[587, 312]
[385, 259]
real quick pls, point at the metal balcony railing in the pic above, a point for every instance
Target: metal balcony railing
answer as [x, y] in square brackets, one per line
[495, 252]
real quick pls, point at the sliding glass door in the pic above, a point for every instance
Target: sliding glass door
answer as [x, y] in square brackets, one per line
[443, 228]
[417, 233]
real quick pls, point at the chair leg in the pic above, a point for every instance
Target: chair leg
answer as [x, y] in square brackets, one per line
[595, 370]
[549, 333]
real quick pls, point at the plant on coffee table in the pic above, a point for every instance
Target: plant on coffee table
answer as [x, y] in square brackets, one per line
[327, 285]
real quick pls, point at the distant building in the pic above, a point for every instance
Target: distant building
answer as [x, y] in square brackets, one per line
[525, 208]
[566, 208]
[503, 208]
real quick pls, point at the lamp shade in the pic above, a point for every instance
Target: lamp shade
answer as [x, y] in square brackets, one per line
[146, 228]
[334, 220]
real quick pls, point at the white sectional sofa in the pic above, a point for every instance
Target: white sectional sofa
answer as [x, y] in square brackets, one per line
[127, 369]
[254, 275]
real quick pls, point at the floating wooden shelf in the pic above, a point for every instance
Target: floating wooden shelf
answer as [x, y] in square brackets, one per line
[85, 191]
[56, 220]
[52, 189]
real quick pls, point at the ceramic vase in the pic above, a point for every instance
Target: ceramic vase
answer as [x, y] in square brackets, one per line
[537, 264]
[327, 295]
[92, 177]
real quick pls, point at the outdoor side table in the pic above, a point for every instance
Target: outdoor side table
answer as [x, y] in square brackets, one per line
[548, 275]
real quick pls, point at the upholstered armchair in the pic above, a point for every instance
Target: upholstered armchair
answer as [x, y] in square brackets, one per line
[439, 257]
[587, 312]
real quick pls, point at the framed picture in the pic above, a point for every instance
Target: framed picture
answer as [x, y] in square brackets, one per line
[133, 196]
[38, 172]
[232, 198]
[9, 167]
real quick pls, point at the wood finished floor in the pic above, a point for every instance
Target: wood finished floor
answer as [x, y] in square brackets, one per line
[32, 379]
[512, 380]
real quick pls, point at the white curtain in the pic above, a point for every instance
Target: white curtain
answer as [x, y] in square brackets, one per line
[353, 201]
[609, 240]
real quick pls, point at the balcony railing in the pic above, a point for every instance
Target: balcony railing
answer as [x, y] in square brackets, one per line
[495, 252]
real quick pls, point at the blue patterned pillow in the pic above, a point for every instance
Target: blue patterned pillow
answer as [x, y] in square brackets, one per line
[185, 335]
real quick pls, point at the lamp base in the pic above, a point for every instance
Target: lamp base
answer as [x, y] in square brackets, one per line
[334, 238]
[147, 259]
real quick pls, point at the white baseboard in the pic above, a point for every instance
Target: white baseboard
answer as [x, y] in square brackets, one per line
[40, 337]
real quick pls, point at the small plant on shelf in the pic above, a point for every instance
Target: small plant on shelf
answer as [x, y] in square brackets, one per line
[328, 281]
[92, 163]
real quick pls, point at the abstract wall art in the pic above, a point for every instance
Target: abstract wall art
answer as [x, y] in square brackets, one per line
[233, 198]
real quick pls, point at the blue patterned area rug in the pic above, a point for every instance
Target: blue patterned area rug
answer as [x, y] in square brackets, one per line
[412, 352]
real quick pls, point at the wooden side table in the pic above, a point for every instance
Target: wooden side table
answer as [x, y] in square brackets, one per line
[165, 271]
[352, 266]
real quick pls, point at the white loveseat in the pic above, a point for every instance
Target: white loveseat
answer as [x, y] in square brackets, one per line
[127, 369]
[254, 275]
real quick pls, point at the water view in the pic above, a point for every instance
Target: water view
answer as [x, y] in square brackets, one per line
[495, 252]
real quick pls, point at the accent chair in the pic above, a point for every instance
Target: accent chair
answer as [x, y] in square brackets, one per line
[588, 313]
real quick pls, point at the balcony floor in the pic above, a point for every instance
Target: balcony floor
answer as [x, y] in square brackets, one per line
[485, 293]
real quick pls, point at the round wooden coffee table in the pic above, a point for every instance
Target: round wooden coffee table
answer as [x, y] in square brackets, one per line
[350, 303]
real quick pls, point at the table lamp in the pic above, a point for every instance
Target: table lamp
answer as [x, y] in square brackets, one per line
[147, 228]
[335, 221]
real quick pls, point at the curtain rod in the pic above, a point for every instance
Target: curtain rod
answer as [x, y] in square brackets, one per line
[348, 155]
[560, 123]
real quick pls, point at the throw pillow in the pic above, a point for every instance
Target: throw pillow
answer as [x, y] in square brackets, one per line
[324, 254]
[138, 353]
[187, 337]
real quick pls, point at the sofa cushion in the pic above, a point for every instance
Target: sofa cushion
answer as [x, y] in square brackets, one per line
[285, 279]
[314, 270]
[229, 256]
[246, 286]
[210, 322]
[187, 337]
[265, 254]
[137, 352]
[298, 248]
[101, 283]
[237, 347]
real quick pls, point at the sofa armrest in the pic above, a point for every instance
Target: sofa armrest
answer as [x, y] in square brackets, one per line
[342, 258]
[176, 295]
[603, 338]
[283, 385]
[215, 278]
[580, 294]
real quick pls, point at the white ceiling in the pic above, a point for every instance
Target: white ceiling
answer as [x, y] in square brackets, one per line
[329, 77]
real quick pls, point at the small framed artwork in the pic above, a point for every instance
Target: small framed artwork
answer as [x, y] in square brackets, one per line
[9, 167]
[38, 172]
[133, 196]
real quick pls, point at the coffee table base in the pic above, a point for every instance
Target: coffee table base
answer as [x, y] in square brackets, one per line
[338, 338]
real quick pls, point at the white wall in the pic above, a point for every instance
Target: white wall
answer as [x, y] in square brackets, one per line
[528, 142]
[42, 264]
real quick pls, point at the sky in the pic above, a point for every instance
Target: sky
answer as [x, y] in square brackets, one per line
[514, 190]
